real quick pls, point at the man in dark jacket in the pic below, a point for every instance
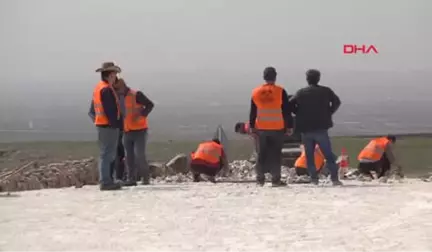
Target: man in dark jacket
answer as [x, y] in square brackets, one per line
[314, 106]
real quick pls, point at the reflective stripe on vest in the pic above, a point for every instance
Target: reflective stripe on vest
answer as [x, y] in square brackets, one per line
[133, 120]
[374, 150]
[269, 115]
[268, 100]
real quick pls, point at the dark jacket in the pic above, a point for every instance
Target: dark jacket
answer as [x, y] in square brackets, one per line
[314, 106]
[286, 112]
[110, 108]
[143, 100]
[140, 99]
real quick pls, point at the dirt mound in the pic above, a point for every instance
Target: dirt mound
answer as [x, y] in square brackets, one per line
[56, 175]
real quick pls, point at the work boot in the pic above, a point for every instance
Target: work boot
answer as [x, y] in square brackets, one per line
[196, 178]
[110, 187]
[260, 182]
[337, 183]
[145, 181]
[364, 178]
[212, 179]
[130, 183]
[314, 181]
[279, 183]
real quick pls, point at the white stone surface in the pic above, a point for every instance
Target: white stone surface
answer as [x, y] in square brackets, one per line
[221, 217]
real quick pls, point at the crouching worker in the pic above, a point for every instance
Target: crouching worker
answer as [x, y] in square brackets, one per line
[209, 159]
[301, 163]
[378, 156]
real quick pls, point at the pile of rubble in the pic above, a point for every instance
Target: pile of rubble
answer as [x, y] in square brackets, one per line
[56, 175]
[427, 178]
[84, 172]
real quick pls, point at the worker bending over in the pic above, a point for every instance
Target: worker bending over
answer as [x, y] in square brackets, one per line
[270, 118]
[378, 156]
[301, 162]
[209, 159]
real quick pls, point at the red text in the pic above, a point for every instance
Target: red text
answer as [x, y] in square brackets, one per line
[363, 49]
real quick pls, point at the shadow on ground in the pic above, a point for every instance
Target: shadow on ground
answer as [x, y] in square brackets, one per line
[171, 187]
[9, 195]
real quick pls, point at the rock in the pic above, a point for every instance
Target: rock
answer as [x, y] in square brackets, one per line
[64, 174]
[157, 169]
[179, 164]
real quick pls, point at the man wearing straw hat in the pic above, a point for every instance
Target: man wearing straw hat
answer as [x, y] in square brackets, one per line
[108, 122]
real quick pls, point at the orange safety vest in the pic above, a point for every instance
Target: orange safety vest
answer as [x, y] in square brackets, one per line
[100, 116]
[268, 99]
[301, 161]
[210, 152]
[374, 149]
[133, 120]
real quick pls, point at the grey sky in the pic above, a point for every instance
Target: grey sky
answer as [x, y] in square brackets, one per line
[54, 39]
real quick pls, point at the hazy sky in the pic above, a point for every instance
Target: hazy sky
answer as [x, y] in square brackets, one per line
[50, 40]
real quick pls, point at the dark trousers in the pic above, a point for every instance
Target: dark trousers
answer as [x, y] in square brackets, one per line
[118, 167]
[135, 143]
[303, 171]
[198, 169]
[381, 167]
[320, 137]
[269, 151]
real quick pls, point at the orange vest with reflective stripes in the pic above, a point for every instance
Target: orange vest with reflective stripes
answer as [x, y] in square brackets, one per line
[100, 116]
[301, 161]
[374, 150]
[268, 99]
[210, 152]
[133, 120]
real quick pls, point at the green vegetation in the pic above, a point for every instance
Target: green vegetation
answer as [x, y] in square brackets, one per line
[414, 151]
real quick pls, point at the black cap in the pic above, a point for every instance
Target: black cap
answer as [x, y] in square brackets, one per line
[270, 74]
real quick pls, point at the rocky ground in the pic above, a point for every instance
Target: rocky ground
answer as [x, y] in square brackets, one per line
[221, 217]
[175, 214]
[78, 173]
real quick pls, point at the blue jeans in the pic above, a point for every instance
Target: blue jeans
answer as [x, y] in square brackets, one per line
[320, 137]
[107, 140]
[135, 143]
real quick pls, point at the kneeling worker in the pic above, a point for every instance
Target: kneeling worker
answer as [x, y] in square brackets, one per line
[378, 156]
[301, 165]
[208, 159]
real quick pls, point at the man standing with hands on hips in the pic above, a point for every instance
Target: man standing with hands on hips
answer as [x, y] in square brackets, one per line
[270, 118]
[136, 107]
[314, 107]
